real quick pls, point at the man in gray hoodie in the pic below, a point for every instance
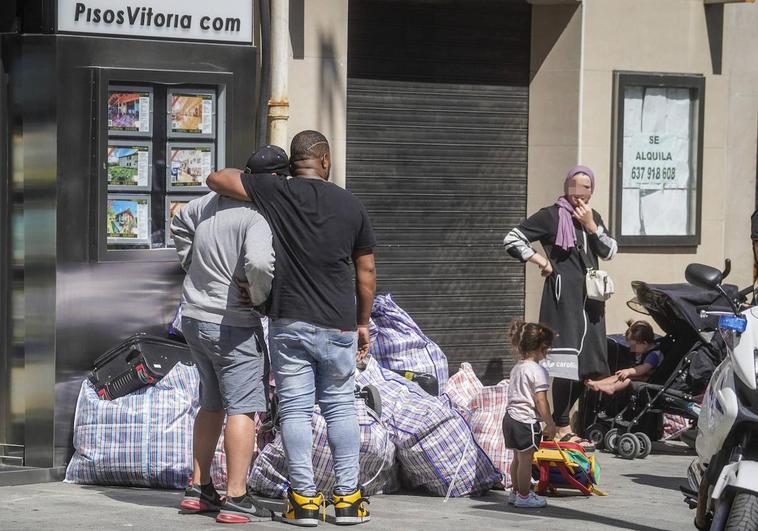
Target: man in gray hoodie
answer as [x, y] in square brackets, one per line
[224, 244]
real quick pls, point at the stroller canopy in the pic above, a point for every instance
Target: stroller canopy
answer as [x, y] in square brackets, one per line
[676, 307]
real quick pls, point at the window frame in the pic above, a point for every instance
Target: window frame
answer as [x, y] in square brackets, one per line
[692, 82]
[104, 79]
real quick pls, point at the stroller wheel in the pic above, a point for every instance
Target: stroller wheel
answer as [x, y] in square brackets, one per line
[371, 396]
[628, 446]
[611, 439]
[646, 445]
[596, 434]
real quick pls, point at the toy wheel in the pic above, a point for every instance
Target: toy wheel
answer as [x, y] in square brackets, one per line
[646, 445]
[628, 446]
[596, 433]
[611, 439]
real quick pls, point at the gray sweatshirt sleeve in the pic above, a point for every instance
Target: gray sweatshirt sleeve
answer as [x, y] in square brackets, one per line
[537, 227]
[183, 231]
[259, 260]
[601, 242]
[518, 246]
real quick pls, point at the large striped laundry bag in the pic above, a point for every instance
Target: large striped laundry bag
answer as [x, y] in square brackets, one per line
[435, 445]
[397, 342]
[484, 407]
[142, 439]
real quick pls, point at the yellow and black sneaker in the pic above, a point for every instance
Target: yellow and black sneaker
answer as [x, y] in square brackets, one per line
[302, 510]
[349, 509]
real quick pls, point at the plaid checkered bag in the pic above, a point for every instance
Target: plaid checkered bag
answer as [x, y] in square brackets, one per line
[378, 473]
[435, 445]
[487, 425]
[218, 465]
[484, 407]
[397, 342]
[142, 439]
[462, 389]
[674, 425]
[175, 326]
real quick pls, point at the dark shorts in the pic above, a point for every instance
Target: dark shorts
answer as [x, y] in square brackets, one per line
[521, 436]
[233, 366]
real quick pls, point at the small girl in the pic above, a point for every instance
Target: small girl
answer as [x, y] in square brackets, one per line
[641, 340]
[527, 406]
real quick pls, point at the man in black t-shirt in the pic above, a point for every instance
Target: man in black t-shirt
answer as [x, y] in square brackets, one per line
[322, 236]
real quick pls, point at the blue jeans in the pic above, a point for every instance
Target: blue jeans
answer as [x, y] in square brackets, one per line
[313, 363]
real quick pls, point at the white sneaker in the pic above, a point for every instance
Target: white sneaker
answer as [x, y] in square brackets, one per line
[532, 501]
[512, 497]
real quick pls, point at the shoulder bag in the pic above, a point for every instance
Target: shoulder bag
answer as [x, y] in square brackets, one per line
[598, 282]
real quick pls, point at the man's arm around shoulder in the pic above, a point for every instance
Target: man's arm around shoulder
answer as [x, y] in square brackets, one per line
[228, 182]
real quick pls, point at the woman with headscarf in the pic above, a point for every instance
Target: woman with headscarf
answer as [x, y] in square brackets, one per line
[573, 237]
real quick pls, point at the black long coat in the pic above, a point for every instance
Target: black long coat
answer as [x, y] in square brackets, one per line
[579, 322]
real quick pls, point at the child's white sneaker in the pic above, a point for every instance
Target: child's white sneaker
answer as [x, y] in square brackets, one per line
[512, 497]
[532, 501]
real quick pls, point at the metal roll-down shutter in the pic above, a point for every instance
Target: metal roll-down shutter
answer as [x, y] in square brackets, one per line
[437, 116]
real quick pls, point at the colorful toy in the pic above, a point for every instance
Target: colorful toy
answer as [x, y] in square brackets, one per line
[565, 465]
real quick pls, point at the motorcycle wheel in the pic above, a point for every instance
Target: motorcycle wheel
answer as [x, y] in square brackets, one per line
[646, 445]
[610, 441]
[596, 434]
[628, 446]
[744, 512]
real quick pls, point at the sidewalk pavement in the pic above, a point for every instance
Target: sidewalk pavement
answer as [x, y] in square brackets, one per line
[643, 495]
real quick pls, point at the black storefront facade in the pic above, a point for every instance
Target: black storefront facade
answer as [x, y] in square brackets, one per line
[110, 116]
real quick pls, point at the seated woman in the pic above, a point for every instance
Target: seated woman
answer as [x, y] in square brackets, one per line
[641, 340]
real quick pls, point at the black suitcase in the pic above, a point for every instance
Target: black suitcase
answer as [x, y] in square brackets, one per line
[136, 362]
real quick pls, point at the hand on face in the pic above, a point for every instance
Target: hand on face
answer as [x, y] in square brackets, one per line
[583, 214]
[579, 189]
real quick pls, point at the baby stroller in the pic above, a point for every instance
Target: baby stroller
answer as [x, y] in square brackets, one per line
[628, 422]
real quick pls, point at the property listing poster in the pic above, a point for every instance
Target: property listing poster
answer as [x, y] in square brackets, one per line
[658, 185]
[129, 112]
[192, 113]
[128, 165]
[128, 219]
[189, 167]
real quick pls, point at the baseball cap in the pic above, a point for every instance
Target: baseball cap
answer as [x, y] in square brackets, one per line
[268, 159]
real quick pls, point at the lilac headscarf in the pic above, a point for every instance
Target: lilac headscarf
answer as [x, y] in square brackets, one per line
[566, 236]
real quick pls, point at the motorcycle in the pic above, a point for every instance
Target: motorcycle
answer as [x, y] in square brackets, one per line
[724, 476]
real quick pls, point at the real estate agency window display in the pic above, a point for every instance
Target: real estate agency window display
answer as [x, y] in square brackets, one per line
[658, 159]
[129, 166]
[158, 158]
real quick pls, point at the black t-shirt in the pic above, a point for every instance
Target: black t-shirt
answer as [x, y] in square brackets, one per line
[317, 228]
